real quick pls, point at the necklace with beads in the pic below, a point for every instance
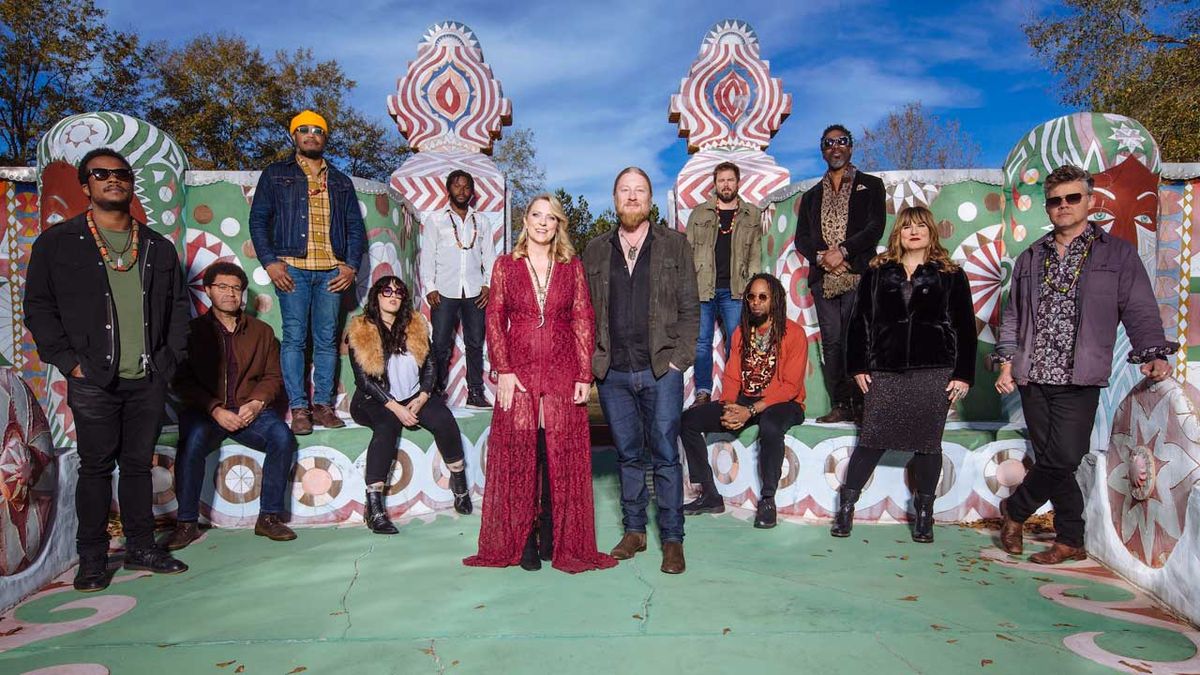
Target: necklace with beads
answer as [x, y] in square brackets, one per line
[760, 341]
[474, 234]
[1047, 276]
[541, 290]
[131, 247]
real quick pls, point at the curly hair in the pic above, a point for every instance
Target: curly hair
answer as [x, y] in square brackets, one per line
[895, 249]
[394, 339]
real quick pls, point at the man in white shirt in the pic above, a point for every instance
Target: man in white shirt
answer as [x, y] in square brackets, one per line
[456, 257]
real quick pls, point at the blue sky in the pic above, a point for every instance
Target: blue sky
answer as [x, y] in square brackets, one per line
[593, 79]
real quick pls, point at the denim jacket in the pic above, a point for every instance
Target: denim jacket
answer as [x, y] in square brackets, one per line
[279, 215]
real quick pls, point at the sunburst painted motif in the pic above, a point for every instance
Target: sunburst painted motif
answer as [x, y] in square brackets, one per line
[987, 269]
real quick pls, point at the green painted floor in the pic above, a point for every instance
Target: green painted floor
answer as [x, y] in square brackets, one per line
[788, 600]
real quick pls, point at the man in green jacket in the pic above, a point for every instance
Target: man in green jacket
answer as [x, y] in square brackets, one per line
[726, 237]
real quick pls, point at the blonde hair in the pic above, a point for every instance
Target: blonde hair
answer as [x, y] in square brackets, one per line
[895, 249]
[563, 250]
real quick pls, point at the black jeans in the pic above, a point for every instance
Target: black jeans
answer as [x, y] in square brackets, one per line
[115, 426]
[445, 319]
[833, 316]
[772, 423]
[386, 428]
[1059, 418]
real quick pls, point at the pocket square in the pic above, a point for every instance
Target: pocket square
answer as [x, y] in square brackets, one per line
[860, 187]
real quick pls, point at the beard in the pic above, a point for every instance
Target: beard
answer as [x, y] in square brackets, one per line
[727, 196]
[311, 154]
[632, 217]
[835, 164]
[757, 320]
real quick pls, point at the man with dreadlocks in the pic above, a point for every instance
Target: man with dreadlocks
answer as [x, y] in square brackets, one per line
[763, 384]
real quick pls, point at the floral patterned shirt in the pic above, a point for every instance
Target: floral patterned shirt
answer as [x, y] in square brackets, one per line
[1052, 360]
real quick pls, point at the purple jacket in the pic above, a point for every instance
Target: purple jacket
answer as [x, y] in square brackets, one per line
[1113, 287]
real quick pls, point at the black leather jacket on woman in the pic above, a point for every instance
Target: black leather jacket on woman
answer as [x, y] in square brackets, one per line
[934, 329]
[370, 364]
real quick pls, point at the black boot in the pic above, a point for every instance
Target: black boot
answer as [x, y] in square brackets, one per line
[708, 501]
[530, 561]
[545, 526]
[922, 531]
[462, 494]
[843, 520]
[377, 516]
[92, 574]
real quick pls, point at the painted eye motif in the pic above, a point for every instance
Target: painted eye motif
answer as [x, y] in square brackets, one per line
[1144, 220]
[1101, 217]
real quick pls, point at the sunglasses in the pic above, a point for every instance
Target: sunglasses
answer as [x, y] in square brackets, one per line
[123, 175]
[309, 129]
[1072, 199]
[761, 297]
[827, 143]
[390, 292]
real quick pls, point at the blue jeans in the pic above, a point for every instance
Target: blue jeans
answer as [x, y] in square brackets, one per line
[722, 306]
[199, 435]
[309, 305]
[638, 408]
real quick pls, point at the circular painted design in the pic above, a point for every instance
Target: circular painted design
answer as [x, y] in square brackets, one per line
[26, 458]
[724, 460]
[201, 250]
[967, 212]
[1005, 470]
[836, 463]
[987, 271]
[263, 303]
[401, 475]
[202, 214]
[382, 205]
[248, 249]
[946, 479]
[1142, 473]
[239, 479]
[260, 276]
[317, 481]
[230, 227]
[790, 470]
[162, 475]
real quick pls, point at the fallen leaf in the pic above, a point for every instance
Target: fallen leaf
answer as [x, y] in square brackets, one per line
[725, 631]
[938, 627]
[454, 662]
[909, 598]
[1066, 625]
[984, 582]
[1004, 637]
[1134, 666]
[904, 557]
[899, 576]
[297, 669]
[817, 555]
[427, 650]
[338, 613]
[240, 669]
[866, 541]
[14, 631]
[226, 664]
[950, 642]
[1007, 624]
[1046, 579]
[638, 617]
[985, 662]
[479, 606]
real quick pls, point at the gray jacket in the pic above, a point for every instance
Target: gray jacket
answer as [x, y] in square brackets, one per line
[1113, 287]
[674, 306]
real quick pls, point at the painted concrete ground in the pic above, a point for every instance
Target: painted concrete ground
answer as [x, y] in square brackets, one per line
[786, 600]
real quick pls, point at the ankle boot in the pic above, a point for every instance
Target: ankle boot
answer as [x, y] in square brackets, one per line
[377, 517]
[462, 494]
[530, 561]
[545, 524]
[923, 520]
[843, 520]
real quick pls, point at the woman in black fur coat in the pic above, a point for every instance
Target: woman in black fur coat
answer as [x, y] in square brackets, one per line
[911, 349]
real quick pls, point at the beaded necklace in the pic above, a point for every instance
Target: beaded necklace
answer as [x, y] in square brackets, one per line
[102, 243]
[1046, 275]
[474, 233]
[721, 226]
[540, 290]
[760, 341]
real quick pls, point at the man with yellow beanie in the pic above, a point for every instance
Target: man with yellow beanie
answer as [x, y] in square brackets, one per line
[308, 234]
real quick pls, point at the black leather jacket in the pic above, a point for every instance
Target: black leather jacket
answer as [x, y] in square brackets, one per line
[371, 380]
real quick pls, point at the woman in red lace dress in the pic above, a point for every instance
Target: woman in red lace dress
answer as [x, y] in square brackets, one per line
[537, 502]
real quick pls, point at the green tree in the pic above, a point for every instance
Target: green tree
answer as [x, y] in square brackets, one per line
[1139, 58]
[911, 137]
[516, 157]
[58, 58]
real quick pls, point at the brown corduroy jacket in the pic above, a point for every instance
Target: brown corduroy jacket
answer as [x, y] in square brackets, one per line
[200, 381]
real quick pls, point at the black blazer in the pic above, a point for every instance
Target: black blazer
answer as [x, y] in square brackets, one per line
[70, 311]
[864, 227]
[935, 330]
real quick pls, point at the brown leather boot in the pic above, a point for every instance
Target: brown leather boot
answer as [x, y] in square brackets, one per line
[673, 558]
[1058, 553]
[270, 526]
[184, 534]
[326, 417]
[1010, 532]
[301, 421]
[631, 544]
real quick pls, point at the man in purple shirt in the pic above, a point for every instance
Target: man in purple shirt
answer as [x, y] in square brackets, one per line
[1069, 290]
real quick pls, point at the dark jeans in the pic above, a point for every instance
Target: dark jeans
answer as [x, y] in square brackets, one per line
[199, 435]
[638, 407]
[115, 426]
[772, 423]
[833, 316]
[729, 311]
[386, 429]
[1059, 419]
[309, 306]
[445, 319]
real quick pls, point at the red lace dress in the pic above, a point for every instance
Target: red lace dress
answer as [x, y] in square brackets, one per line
[548, 361]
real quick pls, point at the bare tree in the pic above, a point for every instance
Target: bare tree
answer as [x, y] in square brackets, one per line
[913, 138]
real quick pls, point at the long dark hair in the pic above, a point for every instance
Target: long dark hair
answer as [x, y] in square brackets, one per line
[778, 313]
[395, 339]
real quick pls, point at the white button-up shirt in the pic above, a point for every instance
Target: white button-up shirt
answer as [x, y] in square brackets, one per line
[452, 271]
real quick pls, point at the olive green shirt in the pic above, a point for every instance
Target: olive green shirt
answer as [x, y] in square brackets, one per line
[127, 297]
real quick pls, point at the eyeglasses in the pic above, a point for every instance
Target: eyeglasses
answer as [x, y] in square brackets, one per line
[827, 143]
[390, 292]
[310, 129]
[228, 288]
[123, 175]
[761, 297]
[1072, 199]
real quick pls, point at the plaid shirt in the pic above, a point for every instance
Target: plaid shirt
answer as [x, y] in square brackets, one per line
[320, 251]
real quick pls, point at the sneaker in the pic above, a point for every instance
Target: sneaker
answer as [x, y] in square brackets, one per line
[184, 534]
[478, 400]
[92, 574]
[327, 417]
[153, 560]
[302, 423]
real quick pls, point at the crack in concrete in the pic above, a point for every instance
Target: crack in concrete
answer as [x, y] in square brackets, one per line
[349, 587]
[437, 660]
[645, 614]
[896, 654]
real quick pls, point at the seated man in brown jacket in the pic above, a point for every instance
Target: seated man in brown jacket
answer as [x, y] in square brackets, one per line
[227, 383]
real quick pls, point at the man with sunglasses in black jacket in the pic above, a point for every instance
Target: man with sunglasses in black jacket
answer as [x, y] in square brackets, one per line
[106, 304]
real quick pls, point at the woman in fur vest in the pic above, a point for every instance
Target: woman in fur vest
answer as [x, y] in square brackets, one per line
[394, 379]
[538, 502]
[911, 349]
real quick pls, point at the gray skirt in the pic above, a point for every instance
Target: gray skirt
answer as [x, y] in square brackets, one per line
[906, 410]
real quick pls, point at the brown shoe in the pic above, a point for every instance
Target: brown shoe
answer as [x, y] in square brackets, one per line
[270, 526]
[631, 544]
[301, 421]
[326, 417]
[1058, 553]
[184, 534]
[835, 415]
[1010, 532]
[700, 399]
[673, 558]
